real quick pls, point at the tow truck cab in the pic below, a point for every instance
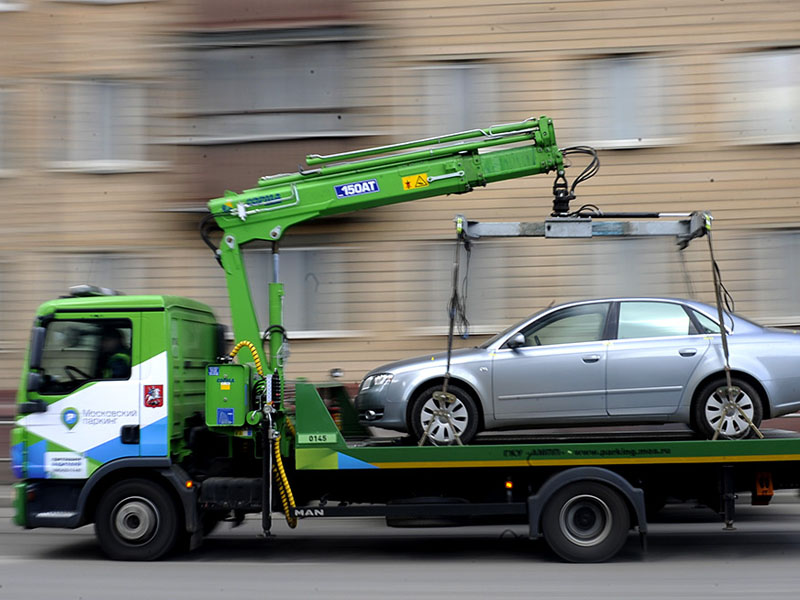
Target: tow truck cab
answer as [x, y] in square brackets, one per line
[111, 383]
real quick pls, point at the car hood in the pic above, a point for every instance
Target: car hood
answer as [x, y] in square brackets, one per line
[429, 360]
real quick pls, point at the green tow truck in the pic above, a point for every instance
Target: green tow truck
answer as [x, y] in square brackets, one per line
[132, 414]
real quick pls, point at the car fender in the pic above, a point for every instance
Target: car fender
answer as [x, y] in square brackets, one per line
[714, 362]
[478, 379]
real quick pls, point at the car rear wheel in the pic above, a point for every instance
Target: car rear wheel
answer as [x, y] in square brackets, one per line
[586, 521]
[136, 520]
[715, 411]
[442, 420]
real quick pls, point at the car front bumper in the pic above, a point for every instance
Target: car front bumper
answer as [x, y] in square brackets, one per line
[377, 409]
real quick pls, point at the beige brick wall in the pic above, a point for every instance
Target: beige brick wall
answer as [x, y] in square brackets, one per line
[522, 58]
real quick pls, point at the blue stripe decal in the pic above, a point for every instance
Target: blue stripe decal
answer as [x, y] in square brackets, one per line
[153, 439]
[112, 449]
[16, 459]
[36, 460]
[348, 462]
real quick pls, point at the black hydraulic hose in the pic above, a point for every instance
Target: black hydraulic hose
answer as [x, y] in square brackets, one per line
[204, 229]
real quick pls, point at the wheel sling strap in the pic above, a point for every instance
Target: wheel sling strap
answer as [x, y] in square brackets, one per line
[731, 393]
[456, 310]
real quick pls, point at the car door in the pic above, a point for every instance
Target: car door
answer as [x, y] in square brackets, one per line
[656, 350]
[559, 371]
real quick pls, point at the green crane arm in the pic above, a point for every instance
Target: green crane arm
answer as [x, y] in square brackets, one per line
[351, 181]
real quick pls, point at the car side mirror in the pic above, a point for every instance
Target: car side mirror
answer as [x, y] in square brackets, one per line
[516, 341]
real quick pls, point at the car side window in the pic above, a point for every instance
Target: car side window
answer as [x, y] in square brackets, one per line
[570, 325]
[652, 319]
[706, 324]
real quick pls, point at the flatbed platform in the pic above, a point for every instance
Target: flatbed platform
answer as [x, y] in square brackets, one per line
[567, 436]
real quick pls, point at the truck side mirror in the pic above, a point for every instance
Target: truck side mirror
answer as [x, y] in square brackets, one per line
[37, 347]
[517, 341]
[34, 381]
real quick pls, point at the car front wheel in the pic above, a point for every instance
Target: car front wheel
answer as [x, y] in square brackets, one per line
[716, 411]
[442, 420]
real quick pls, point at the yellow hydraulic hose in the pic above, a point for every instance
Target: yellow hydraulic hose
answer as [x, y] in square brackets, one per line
[285, 490]
[253, 351]
[287, 498]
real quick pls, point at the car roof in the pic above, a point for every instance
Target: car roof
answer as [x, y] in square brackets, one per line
[706, 309]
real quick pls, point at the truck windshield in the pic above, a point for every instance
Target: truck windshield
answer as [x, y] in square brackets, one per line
[77, 351]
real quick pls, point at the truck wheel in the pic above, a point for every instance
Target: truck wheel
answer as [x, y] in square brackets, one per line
[431, 415]
[711, 410]
[585, 522]
[136, 520]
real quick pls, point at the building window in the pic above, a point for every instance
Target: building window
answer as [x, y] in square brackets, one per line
[447, 97]
[634, 267]
[4, 130]
[484, 294]
[762, 97]
[459, 96]
[624, 102]
[122, 272]
[314, 282]
[100, 124]
[776, 278]
[271, 91]
[5, 300]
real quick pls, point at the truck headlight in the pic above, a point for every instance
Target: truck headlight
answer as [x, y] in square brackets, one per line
[375, 380]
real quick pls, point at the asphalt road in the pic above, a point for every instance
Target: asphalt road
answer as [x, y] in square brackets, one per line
[689, 556]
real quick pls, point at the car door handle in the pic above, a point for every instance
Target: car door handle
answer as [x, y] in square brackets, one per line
[687, 351]
[591, 358]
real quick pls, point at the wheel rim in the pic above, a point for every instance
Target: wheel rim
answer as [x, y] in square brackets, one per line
[135, 520]
[585, 520]
[723, 414]
[444, 421]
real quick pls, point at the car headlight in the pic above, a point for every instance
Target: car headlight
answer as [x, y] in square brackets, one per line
[375, 380]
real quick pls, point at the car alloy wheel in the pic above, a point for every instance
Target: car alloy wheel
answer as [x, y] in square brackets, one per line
[731, 416]
[444, 419]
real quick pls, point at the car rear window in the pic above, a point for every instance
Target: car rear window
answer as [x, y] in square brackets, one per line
[706, 324]
[652, 319]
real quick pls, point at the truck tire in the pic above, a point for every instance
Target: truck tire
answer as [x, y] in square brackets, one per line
[709, 409]
[463, 417]
[586, 521]
[136, 520]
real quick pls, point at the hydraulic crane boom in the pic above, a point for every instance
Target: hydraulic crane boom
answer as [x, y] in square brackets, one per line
[351, 181]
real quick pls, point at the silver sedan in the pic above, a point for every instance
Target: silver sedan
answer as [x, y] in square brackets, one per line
[610, 361]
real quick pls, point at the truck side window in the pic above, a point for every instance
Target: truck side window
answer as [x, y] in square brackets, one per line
[77, 351]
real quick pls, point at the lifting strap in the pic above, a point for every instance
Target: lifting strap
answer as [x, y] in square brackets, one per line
[456, 310]
[731, 391]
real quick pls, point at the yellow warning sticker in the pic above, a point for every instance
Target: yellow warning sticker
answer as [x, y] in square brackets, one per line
[225, 385]
[413, 182]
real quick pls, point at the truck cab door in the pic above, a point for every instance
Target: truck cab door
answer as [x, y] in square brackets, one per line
[90, 393]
